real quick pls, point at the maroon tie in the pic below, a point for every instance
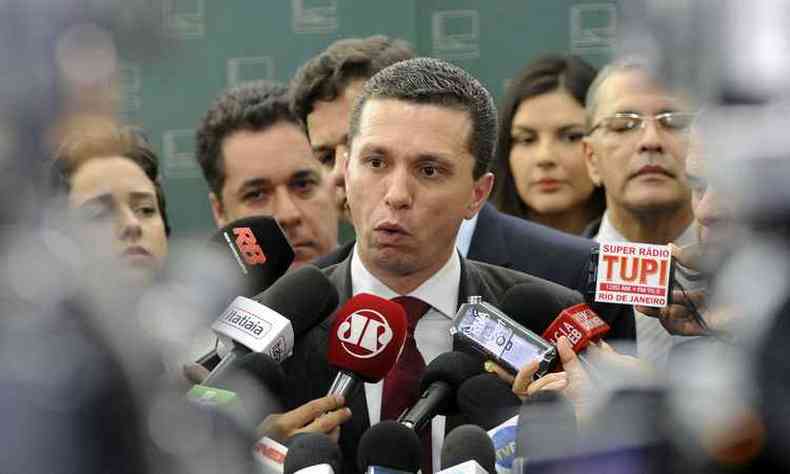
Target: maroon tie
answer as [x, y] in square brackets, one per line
[402, 384]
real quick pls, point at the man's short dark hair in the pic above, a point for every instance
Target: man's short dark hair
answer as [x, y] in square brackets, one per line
[254, 107]
[432, 81]
[325, 76]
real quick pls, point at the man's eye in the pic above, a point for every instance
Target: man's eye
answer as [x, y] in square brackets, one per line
[374, 162]
[327, 158]
[305, 186]
[253, 195]
[572, 137]
[623, 124]
[430, 171]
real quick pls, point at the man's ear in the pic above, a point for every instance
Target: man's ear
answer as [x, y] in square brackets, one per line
[217, 210]
[480, 192]
[591, 160]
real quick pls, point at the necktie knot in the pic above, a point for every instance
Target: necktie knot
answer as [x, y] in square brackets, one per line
[415, 309]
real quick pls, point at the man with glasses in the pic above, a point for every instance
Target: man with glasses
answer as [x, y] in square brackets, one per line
[636, 149]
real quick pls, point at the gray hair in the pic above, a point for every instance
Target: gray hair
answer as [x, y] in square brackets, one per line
[626, 64]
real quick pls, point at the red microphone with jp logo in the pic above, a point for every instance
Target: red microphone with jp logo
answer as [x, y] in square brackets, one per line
[365, 341]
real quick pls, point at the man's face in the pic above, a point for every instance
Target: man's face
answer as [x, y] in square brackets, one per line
[327, 126]
[715, 219]
[409, 183]
[273, 173]
[642, 169]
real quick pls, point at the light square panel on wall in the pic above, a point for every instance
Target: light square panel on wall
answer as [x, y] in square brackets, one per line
[456, 34]
[178, 152]
[184, 19]
[314, 16]
[250, 68]
[593, 28]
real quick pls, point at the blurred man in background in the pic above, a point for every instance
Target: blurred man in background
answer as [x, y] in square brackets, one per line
[636, 148]
[323, 92]
[257, 161]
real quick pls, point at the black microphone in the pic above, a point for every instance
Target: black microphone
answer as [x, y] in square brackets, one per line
[271, 321]
[439, 383]
[540, 308]
[465, 445]
[257, 247]
[315, 453]
[389, 447]
[487, 401]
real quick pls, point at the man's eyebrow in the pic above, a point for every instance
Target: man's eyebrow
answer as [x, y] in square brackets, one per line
[305, 173]
[254, 183]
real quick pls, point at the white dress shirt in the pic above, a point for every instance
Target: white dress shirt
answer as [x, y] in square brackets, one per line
[432, 333]
[653, 342]
[464, 238]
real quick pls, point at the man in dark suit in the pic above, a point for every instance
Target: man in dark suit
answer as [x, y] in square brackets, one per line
[421, 138]
[322, 94]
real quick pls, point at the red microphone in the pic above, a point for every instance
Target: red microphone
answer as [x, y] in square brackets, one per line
[579, 324]
[365, 341]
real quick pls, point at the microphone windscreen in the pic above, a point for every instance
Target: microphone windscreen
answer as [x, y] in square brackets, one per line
[453, 368]
[487, 401]
[312, 449]
[537, 305]
[263, 369]
[546, 427]
[468, 443]
[305, 296]
[258, 248]
[367, 336]
[389, 444]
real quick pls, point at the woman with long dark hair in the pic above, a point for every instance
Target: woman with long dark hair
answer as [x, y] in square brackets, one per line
[540, 169]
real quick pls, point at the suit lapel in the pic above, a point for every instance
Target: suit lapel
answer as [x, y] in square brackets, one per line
[340, 276]
[488, 240]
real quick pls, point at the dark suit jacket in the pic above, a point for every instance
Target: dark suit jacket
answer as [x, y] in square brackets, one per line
[309, 375]
[519, 244]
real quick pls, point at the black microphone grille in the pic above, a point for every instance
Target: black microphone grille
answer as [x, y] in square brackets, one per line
[305, 296]
[452, 368]
[389, 444]
[469, 442]
[487, 401]
[312, 449]
[538, 302]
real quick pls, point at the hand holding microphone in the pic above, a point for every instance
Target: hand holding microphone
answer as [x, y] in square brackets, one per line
[322, 415]
[365, 339]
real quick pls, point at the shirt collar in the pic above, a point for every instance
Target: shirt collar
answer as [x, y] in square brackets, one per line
[464, 239]
[608, 233]
[440, 291]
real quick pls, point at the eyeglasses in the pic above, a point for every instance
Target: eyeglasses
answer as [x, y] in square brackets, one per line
[625, 123]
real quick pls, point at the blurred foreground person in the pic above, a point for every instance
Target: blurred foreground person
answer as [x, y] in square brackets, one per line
[541, 174]
[111, 177]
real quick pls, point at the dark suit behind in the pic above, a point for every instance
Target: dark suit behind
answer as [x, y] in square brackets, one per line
[309, 375]
[510, 242]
